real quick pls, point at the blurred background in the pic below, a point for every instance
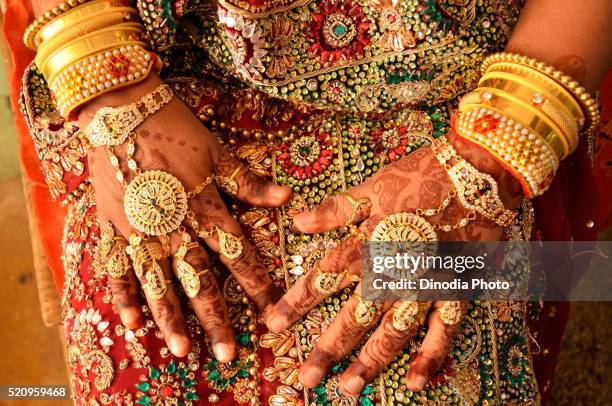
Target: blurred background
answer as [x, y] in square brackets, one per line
[32, 354]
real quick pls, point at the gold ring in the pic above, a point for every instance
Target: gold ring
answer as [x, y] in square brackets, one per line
[118, 263]
[360, 209]
[404, 315]
[155, 285]
[230, 246]
[366, 311]
[327, 283]
[203, 272]
[450, 313]
[229, 184]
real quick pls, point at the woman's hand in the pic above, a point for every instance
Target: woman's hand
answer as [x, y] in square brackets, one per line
[173, 140]
[416, 181]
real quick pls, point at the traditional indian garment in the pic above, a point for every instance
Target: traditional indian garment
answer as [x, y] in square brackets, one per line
[317, 96]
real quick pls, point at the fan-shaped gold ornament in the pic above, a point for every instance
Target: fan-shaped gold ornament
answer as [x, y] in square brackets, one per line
[155, 203]
[404, 227]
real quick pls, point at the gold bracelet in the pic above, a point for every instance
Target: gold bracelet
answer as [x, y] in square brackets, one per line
[75, 15]
[84, 27]
[111, 126]
[40, 22]
[99, 74]
[476, 191]
[539, 99]
[518, 115]
[101, 40]
[521, 151]
[587, 102]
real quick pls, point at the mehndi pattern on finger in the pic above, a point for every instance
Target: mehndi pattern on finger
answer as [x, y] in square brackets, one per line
[360, 209]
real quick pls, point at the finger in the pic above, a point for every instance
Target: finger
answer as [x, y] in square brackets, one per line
[155, 277]
[339, 268]
[436, 344]
[351, 207]
[236, 179]
[396, 328]
[121, 279]
[221, 232]
[190, 263]
[352, 322]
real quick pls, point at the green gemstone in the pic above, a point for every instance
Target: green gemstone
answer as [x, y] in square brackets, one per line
[304, 150]
[153, 372]
[365, 402]
[213, 375]
[144, 386]
[145, 400]
[191, 396]
[320, 389]
[243, 338]
[171, 367]
[367, 390]
[339, 30]
[182, 372]
[188, 383]
[322, 398]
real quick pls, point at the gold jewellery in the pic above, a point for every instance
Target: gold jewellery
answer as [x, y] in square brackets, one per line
[186, 273]
[229, 184]
[145, 256]
[360, 209]
[328, 283]
[405, 315]
[88, 48]
[528, 116]
[366, 311]
[476, 191]
[112, 126]
[451, 313]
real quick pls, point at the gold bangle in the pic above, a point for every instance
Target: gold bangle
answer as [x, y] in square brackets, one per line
[84, 27]
[519, 114]
[75, 15]
[587, 103]
[107, 38]
[554, 88]
[522, 152]
[31, 31]
[539, 98]
[101, 73]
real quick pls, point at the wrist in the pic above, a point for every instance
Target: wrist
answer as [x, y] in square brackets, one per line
[510, 191]
[119, 97]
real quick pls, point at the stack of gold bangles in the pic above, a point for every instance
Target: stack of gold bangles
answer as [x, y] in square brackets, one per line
[528, 116]
[86, 48]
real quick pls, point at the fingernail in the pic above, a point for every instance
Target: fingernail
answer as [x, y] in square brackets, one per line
[418, 383]
[281, 192]
[179, 345]
[130, 318]
[353, 385]
[276, 323]
[310, 377]
[224, 352]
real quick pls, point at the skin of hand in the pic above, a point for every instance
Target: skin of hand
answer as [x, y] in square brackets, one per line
[415, 181]
[173, 140]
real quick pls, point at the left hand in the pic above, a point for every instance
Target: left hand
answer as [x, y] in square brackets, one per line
[415, 181]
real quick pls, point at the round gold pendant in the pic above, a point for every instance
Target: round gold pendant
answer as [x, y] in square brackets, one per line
[404, 227]
[155, 203]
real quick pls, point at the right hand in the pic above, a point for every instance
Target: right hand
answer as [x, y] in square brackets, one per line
[174, 140]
